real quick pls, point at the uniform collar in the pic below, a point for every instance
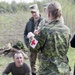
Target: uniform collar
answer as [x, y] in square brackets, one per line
[54, 21]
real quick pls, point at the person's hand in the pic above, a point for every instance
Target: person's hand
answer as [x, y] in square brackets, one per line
[30, 34]
[36, 32]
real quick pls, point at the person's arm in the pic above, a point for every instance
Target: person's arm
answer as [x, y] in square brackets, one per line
[28, 29]
[7, 70]
[41, 38]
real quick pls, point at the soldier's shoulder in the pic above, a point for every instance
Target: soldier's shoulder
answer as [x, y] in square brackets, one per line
[44, 19]
[43, 22]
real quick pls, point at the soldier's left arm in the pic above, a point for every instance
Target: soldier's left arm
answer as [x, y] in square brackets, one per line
[41, 37]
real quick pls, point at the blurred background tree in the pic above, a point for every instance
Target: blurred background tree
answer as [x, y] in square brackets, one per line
[14, 16]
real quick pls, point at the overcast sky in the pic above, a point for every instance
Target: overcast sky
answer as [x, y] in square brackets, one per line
[17, 1]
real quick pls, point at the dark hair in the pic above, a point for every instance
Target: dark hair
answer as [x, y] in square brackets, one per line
[17, 52]
[20, 51]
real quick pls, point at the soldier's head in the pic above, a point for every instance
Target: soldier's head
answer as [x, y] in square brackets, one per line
[18, 58]
[34, 11]
[54, 10]
[45, 7]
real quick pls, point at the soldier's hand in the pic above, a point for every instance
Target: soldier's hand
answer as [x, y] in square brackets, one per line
[36, 32]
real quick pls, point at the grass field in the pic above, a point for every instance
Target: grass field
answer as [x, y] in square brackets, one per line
[5, 60]
[71, 57]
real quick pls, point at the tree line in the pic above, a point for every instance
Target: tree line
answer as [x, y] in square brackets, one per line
[22, 6]
[15, 7]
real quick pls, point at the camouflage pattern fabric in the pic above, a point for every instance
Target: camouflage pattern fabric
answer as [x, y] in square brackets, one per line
[50, 67]
[54, 44]
[19, 45]
[44, 22]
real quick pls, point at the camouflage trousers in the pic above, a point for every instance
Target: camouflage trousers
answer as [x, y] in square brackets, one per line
[48, 68]
[33, 57]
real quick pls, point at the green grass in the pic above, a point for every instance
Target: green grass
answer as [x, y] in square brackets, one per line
[5, 60]
[71, 57]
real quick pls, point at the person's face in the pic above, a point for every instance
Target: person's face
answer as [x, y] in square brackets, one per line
[18, 59]
[35, 14]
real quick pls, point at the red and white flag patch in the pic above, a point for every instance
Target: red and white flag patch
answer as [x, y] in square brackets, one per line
[33, 43]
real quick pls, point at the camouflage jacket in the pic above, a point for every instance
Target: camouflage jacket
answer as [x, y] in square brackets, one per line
[30, 26]
[53, 41]
[44, 22]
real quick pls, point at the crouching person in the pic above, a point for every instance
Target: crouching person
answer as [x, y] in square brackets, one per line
[18, 67]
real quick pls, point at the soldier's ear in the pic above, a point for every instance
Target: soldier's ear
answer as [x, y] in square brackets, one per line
[48, 15]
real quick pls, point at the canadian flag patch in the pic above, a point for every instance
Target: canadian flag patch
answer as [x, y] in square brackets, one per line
[33, 43]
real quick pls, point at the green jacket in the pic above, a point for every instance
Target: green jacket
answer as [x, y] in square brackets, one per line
[53, 41]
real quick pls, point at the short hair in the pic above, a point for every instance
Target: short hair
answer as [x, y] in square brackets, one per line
[17, 52]
[20, 51]
[55, 9]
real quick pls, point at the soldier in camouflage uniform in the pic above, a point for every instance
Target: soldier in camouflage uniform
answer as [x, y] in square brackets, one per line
[53, 41]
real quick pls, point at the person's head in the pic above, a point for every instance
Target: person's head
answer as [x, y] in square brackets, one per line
[34, 11]
[54, 10]
[45, 7]
[18, 58]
